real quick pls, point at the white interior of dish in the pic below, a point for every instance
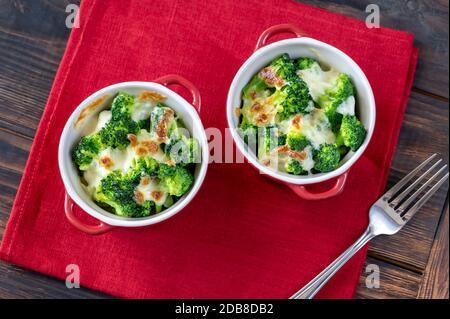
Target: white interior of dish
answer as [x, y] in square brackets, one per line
[326, 55]
[72, 135]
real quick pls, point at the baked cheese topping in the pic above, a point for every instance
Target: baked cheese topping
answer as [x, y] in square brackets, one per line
[135, 156]
[150, 189]
[316, 127]
[111, 159]
[302, 115]
[347, 107]
[318, 81]
[260, 112]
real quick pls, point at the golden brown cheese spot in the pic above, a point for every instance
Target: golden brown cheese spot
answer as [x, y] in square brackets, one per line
[262, 119]
[150, 146]
[301, 156]
[266, 162]
[171, 162]
[141, 151]
[256, 107]
[151, 96]
[260, 112]
[162, 126]
[237, 112]
[161, 131]
[90, 109]
[139, 197]
[269, 76]
[282, 149]
[133, 139]
[145, 180]
[296, 122]
[106, 162]
[157, 195]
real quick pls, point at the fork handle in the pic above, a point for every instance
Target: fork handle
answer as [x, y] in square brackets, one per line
[313, 287]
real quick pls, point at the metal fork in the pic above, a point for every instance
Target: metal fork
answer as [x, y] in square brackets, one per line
[387, 216]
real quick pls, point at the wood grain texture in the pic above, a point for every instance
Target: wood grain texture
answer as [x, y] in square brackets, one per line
[32, 41]
[424, 132]
[427, 20]
[19, 283]
[435, 280]
[394, 283]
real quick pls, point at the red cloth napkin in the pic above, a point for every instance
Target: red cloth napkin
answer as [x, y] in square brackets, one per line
[243, 235]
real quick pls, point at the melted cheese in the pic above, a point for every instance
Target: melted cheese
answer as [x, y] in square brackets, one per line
[112, 159]
[142, 110]
[109, 160]
[308, 163]
[310, 107]
[316, 127]
[285, 126]
[317, 80]
[347, 107]
[152, 190]
[260, 112]
[148, 145]
[103, 118]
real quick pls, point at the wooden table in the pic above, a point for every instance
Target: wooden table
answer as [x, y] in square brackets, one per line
[413, 263]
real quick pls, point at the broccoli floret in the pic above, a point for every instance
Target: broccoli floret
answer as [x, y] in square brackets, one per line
[352, 133]
[115, 133]
[175, 179]
[343, 150]
[294, 167]
[292, 99]
[333, 116]
[282, 138]
[249, 133]
[269, 138]
[335, 96]
[276, 75]
[148, 208]
[280, 71]
[256, 87]
[183, 150]
[326, 158]
[296, 141]
[342, 89]
[86, 150]
[145, 165]
[122, 106]
[117, 191]
[304, 63]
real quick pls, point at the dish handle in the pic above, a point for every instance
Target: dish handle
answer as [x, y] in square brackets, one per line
[99, 229]
[277, 29]
[169, 79]
[301, 190]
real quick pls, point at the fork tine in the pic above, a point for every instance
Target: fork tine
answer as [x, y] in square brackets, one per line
[410, 213]
[406, 179]
[411, 198]
[401, 196]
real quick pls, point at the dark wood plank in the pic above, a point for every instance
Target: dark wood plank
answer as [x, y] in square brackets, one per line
[31, 47]
[395, 282]
[427, 20]
[18, 283]
[435, 280]
[424, 131]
